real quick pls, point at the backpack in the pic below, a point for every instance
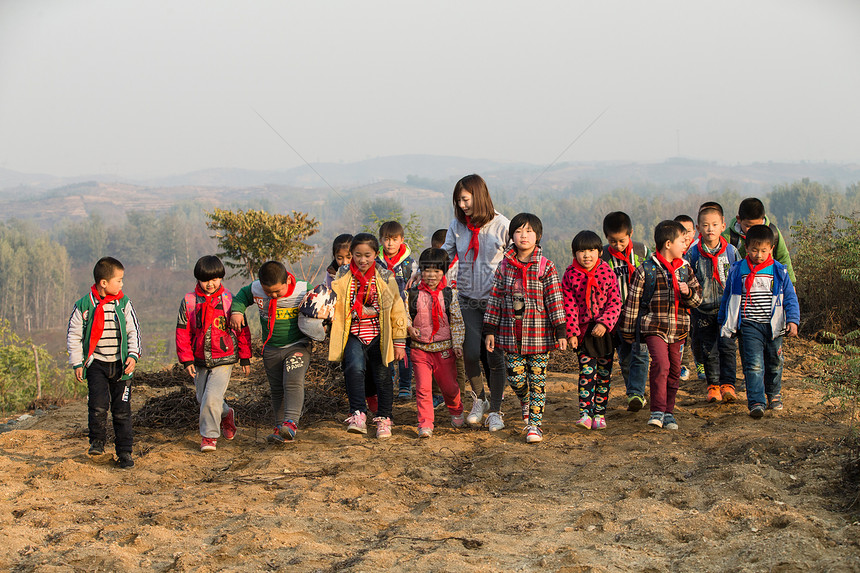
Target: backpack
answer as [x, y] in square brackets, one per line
[638, 252]
[541, 266]
[412, 301]
[735, 238]
[191, 305]
[224, 339]
[650, 269]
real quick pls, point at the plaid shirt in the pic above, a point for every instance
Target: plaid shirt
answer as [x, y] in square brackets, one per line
[543, 320]
[660, 320]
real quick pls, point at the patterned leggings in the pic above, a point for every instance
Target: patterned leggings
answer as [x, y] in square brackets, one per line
[594, 384]
[527, 376]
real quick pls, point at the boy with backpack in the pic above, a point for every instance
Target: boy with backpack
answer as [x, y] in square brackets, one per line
[751, 213]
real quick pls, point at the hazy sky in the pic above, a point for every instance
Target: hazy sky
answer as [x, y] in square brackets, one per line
[153, 88]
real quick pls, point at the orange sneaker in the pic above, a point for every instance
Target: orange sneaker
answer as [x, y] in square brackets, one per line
[714, 394]
[728, 393]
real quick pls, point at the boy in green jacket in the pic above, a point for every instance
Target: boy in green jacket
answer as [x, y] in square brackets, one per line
[751, 213]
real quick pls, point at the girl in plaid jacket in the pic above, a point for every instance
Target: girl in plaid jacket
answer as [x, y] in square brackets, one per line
[525, 318]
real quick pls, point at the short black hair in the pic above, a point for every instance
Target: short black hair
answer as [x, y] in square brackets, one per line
[433, 258]
[759, 234]
[750, 209]
[273, 273]
[362, 239]
[585, 241]
[106, 268]
[209, 267]
[529, 219]
[684, 219]
[710, 207]
[617, 222]
[390, 229]
[438, 238]
[667, 231]
[340, 242]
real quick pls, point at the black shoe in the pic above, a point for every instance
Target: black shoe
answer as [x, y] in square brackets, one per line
[96, 449]
[124, 460]
[757, 411]
[635, 403]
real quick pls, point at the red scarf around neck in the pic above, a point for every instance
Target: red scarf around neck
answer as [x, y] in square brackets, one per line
[211, 301]
[672, 267]
[362, 293]
[98, 327]
[627, 256]
[715, 257]
[393, 261]
[754, 269]
[591, 281]
[273, 306]
[438, 313]
[524, 267]
[474, 243]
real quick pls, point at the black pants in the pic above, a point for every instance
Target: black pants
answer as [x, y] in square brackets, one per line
[106, 390]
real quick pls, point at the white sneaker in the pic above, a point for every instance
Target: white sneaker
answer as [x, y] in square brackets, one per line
[476, 416]
[533, 434]
[494, 421]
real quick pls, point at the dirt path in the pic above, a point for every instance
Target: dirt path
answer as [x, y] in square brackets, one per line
[723, 493]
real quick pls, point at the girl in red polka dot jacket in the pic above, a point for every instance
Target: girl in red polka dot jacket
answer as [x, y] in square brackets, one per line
[592, 305]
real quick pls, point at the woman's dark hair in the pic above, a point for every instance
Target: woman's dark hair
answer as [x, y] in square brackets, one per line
[532, 221]
[482, 206]
[433, 259]
[209, 267]
[586, 241]
[364, 239]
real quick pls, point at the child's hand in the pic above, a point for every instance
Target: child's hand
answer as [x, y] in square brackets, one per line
[598, 330]
[192, 371]
[490, 343]
[685, 288]
[572, 342]
[562, 344]
[458, 352]
[246, 369]
[130, 363]
[792, 329]
[413, 332]
[79, 374]
[399, 353]
[237, 319]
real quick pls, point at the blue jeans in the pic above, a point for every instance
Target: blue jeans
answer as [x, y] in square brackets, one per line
[359, 359]
[718, 354]
[633, 359]
[761, 357]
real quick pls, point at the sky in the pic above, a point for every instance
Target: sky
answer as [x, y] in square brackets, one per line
[150, 88]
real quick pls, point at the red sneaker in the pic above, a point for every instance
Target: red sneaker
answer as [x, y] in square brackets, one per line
[228, 425]
[208, 445]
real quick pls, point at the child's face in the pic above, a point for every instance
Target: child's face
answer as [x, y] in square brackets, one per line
[432, 277]
[619, 240]
[711, 226]
[276, 290]
[113, 286]
[759, 251]
[675, 249]
[210, 286]
[745, 224]
[390, 245]
[525, 239]
[343, 257]
[364, 257]
[465, 202]
[587, 258]
[689, 233]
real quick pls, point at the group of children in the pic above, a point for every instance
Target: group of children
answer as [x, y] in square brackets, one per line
[482, 303]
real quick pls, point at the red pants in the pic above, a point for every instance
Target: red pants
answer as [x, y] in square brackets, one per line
[664, 373]
[442, 366]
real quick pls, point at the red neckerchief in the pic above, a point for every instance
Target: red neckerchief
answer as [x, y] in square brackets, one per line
[393, 261]
[672, 267]
[211, 301]
[474, 243]
[98, 327]
[273, 305]
[438, 312]
[363, 290]
[627, 257]
[715, 257]
[524, 267]
[453, 261]
[591, 280]
[748, 282]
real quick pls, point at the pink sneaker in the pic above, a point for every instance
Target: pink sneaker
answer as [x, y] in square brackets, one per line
[357, 423]
[208, 445]
[383, 427]
[458, 421]
[228, 425]
[598, 422]
[585, 421]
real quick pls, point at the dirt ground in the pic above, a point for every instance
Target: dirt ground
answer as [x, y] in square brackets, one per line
[723, 493]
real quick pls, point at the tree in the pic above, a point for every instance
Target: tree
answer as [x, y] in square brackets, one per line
[253, 237]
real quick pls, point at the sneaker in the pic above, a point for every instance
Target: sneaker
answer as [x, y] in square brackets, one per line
[494, 421]
[124, 461]
[438, 400]
[585, 421]
[757, 411]
[774, 402]
[700, 371]
[425, 432]
[728, 392]
[383, 428]
[96, 449]
[372, 405]
[684, 373]
[228, 425]
[404, 394]
[533, 435]
[275, 437]
[357, 423]
[458, 420]
[598, 422]
[526, 406]
[288, 430]
[714, 394]
[208, 445]
[479, 406]
[635, 403]
[656, 419]
[669, 422]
